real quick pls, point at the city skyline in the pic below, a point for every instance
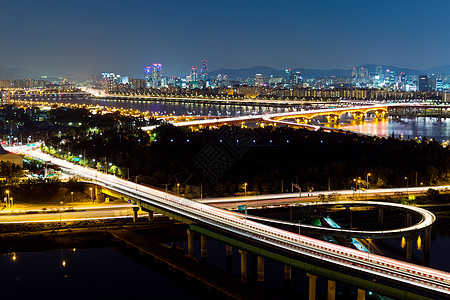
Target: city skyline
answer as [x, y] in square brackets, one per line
[91, 37]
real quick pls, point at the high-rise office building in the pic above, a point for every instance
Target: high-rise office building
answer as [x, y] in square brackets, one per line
[194, 75]
[423, 83]
[298, 78]
[439, 85]
[379, 70]
[259, 80]
[204, 70]
[288, 77]
[391, 77]
[5, 97]
[153, 75]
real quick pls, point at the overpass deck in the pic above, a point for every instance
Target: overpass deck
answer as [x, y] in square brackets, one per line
[406, 275]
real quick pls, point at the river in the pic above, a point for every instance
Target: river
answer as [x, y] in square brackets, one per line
[413, 128]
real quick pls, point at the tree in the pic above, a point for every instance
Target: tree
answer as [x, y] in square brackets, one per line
[10, 171]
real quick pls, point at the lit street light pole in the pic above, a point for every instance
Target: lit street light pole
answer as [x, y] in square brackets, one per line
[7, 199]
[406, 179]
[245, 189]
[178, 186]
[367, 179]
[60, 209]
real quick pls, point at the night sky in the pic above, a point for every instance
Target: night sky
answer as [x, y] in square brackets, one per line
[85, 37]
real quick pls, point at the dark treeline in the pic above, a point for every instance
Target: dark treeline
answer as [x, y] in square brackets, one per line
[33, 123]
[219, 162]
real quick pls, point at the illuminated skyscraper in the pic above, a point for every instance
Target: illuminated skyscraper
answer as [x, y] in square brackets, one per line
[5, 97]
[259, 80]
[379, 70]
[298, 78]
[423, 83]
[288, 77]
[439, 85]
[204, 70]
[194, 75]
[391, 77]
[153, 75]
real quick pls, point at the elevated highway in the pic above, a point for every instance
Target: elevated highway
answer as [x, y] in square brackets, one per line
[392, 277]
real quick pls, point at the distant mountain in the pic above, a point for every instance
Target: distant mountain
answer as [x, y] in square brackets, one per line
[312, 73]
[248, 72]
[397, 70]
[438, 70]
[18, 73]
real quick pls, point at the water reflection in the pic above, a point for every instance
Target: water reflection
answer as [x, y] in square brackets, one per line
[406, 128]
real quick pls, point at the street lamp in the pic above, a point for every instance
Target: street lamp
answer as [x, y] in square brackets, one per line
[92, 199]
[71, 195]
[178, 186]
[359, 183]
[406, 179]
[7, 199]
[367, 179]
[60, 209]
[245, 189]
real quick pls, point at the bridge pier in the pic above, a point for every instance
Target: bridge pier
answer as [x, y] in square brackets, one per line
[229, 258]
[331, 290]
[151, 216]
[427, 240]
[190, 236]
[409, 242]
[361, 294]
[243, 266]
[380, 215]
[358, 116]
[312, 286]
[408, 219]
[135, 214]
[333, 119]
[287, 276]
[203, 247]
[287, 272]
[260, 277]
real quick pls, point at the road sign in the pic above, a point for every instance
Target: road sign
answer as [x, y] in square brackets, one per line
[242, 207]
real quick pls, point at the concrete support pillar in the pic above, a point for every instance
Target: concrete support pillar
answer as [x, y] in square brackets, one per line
[409, 242]
[312, 286]
[243, 266]
[380, 215]
[203, 247]
[229, 258]
[260, 271]
[331, 290]
[190, 253]
[151, 216]
[228, 250]
[135, 214]
[287, 272]
[408, 219]
[361, 294]
[427, 240]
[288, 276]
